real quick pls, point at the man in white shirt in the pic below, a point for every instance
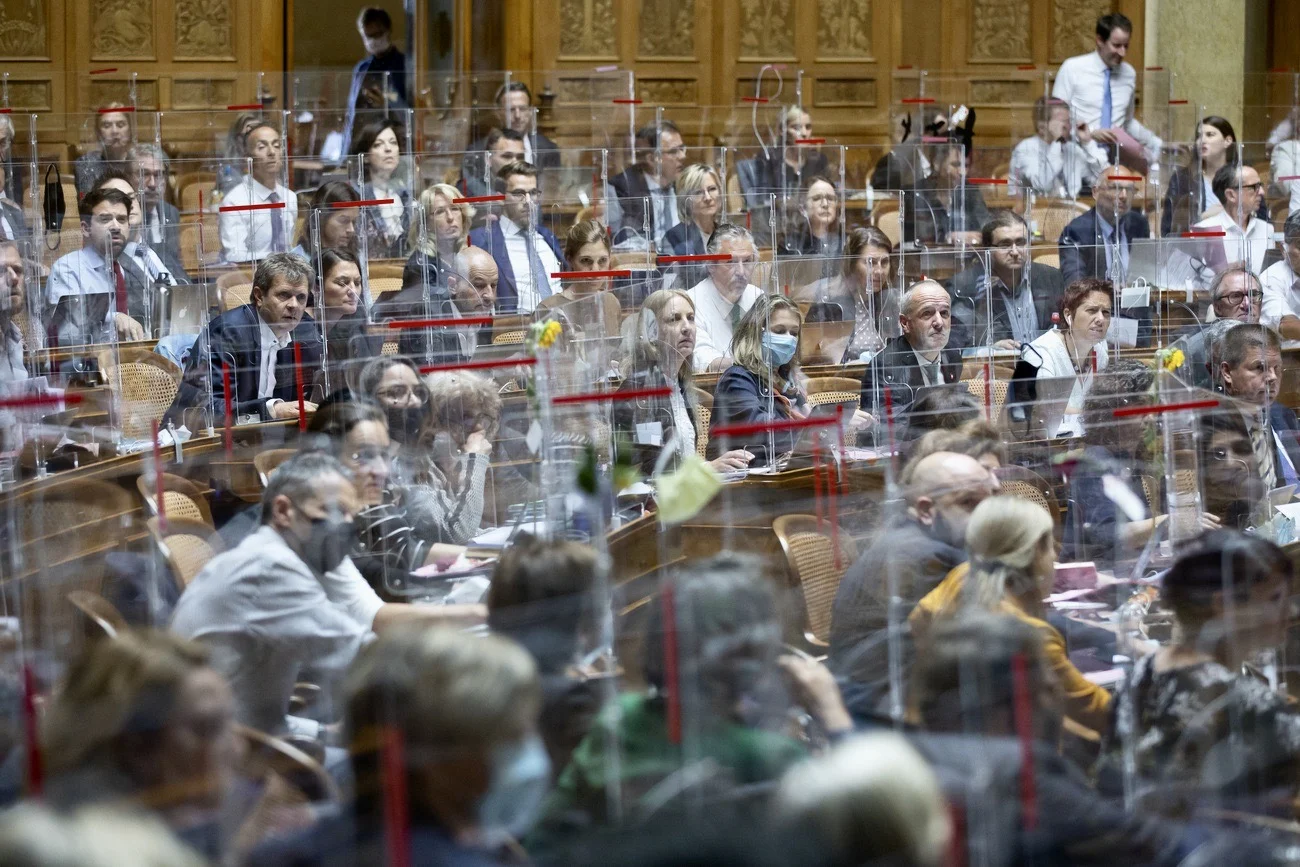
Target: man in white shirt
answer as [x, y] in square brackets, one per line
[87, 289]
[1056, 163]
[724, 296]
[1246, 238]
[1099, 87]
[257, 216]
[1282, 286]
[526, 253]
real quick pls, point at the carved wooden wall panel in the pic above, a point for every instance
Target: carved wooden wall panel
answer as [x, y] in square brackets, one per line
[1000, 31]
[587, 30]
[24, 32]
[667, 30]
[203, 30]
[122, 30]
[844, 29]
[766, 30]
[1073, 23]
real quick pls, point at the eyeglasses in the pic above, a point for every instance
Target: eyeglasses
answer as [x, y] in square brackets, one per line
[1012, 243]
[521, 195]
[1235, 298]
[404, 392]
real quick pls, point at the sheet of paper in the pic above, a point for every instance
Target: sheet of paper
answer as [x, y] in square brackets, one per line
[1123, 332]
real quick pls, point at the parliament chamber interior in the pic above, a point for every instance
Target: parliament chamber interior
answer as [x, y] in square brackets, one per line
[591, 432]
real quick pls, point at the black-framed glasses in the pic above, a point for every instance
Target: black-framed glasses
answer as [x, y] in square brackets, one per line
[1235, 298]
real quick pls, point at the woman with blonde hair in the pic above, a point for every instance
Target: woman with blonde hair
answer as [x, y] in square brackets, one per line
[446, 225]
[1012, 549]
[699, 205]
[660, 354]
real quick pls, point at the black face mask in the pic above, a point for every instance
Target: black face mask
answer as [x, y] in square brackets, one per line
[329, 543]
[944, 532]
[404, 423]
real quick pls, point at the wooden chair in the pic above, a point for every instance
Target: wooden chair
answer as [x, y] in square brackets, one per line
[181, 498]
[703, 416]
[236, 295]
[99, 611]
[187, 546]
[384, 270]
[266, 462]
[811, 562]
[381, 286]
[840, 386]
[891, 223]
[200, 245]
[996, 398]
[1052, 258]
[510, 337]
[1052, 216]
[236, 277]
[1028, 485]
[191, 186]
[143, 385]
[265, 754]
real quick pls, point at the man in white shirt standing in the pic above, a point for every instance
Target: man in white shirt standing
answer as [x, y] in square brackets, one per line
[1246, 238]
[1099, 87]
[723, 297]
[526, 253]
[1054, 162]
[257, 216]
[1281, 283]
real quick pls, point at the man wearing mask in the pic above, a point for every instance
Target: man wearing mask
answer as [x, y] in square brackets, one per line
[474, 770]
[526, 254]
[907, 561]
[917, 359]
[379, 79]
[288, 598]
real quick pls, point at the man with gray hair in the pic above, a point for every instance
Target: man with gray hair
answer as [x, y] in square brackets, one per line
[161, 219]
[1235, 297]
[918, 358]
[723, 297]
[255, 345]
[262, 608]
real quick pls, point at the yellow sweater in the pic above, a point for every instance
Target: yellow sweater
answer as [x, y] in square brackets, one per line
[1085, 702]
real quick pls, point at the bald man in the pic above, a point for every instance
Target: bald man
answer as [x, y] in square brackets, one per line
[920, 357]
[911, 555]
[466, 290]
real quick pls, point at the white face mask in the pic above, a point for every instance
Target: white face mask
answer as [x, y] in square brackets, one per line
[521, 777]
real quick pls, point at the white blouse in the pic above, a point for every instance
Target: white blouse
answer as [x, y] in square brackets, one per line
[1057, 364]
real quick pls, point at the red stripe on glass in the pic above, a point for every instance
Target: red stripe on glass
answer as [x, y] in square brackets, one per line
[1160, 409]
[598, 396]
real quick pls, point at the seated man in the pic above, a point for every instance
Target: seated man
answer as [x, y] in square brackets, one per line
[471, 293]
[515, 102]
[254, 343]
[919, 357]
[143, 265]
[262, 608]
[13, 223]
[653, 178]
[1057, 161]
[1281, 280]
[1097, 243]
[87, 290]
[526, 253]
[162, 219]
[724, 296]
[1246, 238]
[249, 232]
[13, 302]
[1235, 296]
[503, 147]
[908, 561]
[1013, 301]
[1251, 372]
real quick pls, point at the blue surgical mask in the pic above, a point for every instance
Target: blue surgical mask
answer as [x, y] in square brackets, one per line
[521, 777]
[778, 349]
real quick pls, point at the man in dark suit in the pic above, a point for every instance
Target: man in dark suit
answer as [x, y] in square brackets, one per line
[161, 219]
[515, 102]
[1013, 301]
[502, 147]
[378, 79]
[256, 343]
[1250, 370]
[919, 358]
[527, 254]
[1097, 242]
[646, 191]
[13, 224]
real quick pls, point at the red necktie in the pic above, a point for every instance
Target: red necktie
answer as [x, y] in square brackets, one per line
[120, 285]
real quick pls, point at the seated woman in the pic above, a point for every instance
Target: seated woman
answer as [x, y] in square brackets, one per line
[1013, 562]
[435, 242]
[587, 304]
[764, 383]
[1076, 349]
[348, 345]
[1199, 727]
[864, 291]
[393, 382]
[379, 147]
[661, 355]
[336, 227]
[1095, 527]
[699, 202]
[814, 230]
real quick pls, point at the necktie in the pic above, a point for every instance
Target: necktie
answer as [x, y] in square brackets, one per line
[1107, 109]
[735, 316]
[155, 225]
[277, 226]
[1262, 445]
[119, 287]
[541, 283]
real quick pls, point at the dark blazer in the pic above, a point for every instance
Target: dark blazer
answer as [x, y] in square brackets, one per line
[685, 239]
[349, 345]
[1283, 421]
[1092, 519]
[545, 156]
[763, 177]
[170, 248]
[970, 308]
[926, 219]
[741, 398]
[17, 221]
[895, 368]
[629, 413]
[1083, 254]
[633, 190]
[234, 337]
[1185, 201]
[490, 238]
[377, 246]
